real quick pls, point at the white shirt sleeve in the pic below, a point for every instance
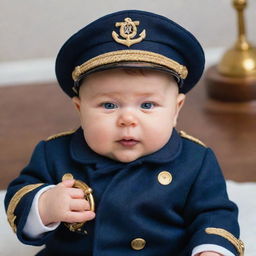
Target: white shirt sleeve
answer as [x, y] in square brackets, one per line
[34, 227]
[212, 248]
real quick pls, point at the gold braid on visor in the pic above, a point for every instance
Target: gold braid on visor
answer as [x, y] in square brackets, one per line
[129, 56]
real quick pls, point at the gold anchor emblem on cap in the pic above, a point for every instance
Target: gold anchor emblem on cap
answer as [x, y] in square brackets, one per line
[128, 30]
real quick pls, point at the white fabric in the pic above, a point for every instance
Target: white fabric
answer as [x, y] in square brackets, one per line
[213, 248]
[9, 244]
[243, 194]
[34, 226]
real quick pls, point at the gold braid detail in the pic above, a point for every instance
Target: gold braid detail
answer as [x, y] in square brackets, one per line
[189, 137]
[232, 239]
[129, 55]
[61, 134]
[15, 200]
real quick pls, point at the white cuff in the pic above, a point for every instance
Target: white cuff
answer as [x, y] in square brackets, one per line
[211, 248]
[34, 227]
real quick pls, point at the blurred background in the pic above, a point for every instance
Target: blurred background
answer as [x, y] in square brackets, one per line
[36, 29]
[33, 31]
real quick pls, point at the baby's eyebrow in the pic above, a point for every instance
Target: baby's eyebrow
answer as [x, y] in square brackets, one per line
[105, 94]
[116, 94]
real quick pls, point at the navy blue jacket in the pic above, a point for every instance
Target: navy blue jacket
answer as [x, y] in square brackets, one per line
[130, 202]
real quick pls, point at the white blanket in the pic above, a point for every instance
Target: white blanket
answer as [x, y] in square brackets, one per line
[243, 194]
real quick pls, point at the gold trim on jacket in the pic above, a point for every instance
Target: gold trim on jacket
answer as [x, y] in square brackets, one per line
[15, 201]
[189, 137]
[225, 234]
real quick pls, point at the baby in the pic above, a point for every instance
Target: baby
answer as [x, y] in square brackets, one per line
[126, 182]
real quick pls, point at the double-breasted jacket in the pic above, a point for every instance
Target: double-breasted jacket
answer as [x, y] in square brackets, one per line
[165, 203]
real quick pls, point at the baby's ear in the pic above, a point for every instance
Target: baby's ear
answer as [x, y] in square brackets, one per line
[180, 101]
[77, 103]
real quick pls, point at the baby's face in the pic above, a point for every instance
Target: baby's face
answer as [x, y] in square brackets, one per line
[126, 115]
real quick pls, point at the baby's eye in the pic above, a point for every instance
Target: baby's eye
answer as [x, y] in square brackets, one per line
[147, 105]
[109, 105]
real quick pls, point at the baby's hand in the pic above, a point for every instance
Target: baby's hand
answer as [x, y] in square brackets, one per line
[210, 254]
[64, 204]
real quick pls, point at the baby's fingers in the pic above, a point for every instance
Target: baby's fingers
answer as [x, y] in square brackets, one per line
[76, 192]
[67, 183]
[72, 216]
[79, 205]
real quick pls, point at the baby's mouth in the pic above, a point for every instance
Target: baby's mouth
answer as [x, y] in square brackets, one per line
[128, 142]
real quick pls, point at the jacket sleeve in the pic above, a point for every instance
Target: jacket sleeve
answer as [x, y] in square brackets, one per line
[21, 192]
[211, 216]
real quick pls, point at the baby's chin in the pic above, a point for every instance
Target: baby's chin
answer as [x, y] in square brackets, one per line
[125, 157]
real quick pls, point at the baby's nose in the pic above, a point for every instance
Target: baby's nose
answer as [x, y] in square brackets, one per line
[127, 119]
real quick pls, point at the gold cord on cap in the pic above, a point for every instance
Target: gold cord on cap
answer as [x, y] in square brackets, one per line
[129, 55]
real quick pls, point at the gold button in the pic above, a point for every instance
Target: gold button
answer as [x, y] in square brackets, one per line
[164, 178]
[138, 243]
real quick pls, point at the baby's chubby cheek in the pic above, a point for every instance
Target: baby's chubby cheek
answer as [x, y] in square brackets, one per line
[97, 140]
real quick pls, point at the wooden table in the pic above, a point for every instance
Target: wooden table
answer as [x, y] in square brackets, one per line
[31, 113]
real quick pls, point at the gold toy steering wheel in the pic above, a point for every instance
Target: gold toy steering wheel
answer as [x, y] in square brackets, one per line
[77, 226]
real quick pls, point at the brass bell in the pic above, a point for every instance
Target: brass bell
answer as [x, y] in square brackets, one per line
[240, 60]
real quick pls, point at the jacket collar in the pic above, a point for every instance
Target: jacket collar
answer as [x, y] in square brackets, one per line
[82, 153]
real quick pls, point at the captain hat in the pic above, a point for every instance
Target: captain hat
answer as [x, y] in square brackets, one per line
[130, 38]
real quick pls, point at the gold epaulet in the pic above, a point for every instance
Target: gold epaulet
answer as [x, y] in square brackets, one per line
[15, 200]
[189, 137]
[61, 134]
[239, 245]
